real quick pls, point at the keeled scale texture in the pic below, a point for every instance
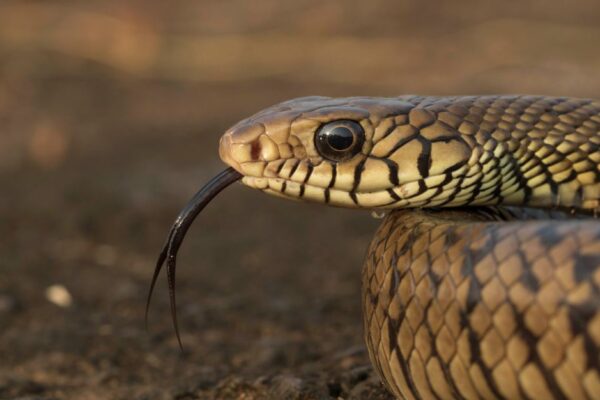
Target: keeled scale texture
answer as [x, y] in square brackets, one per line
[459, 307]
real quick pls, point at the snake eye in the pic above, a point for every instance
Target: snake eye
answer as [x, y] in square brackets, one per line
[339, 140]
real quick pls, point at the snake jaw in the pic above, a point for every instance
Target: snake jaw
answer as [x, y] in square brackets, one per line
[177, 233]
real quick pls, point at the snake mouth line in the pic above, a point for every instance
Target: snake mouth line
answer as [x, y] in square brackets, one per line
[413, 193]
[177, 233]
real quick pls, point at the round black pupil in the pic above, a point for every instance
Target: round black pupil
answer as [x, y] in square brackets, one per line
[340, 138]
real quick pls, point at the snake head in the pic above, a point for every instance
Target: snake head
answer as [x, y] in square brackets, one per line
[355, 152]
[408, 151]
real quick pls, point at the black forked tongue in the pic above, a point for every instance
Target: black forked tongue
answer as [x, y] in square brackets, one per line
[177, 234]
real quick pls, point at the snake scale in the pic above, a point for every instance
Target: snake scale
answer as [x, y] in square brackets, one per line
[479, 283]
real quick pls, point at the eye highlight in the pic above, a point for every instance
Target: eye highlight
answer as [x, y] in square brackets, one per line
[339, 140]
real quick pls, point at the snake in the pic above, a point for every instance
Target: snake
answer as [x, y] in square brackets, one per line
[483, 279]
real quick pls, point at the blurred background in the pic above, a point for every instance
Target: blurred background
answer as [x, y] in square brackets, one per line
[110, 113]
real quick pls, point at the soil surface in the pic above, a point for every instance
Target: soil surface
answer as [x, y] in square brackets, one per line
[110, 113]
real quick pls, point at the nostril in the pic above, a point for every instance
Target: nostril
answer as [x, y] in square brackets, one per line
[255, 149]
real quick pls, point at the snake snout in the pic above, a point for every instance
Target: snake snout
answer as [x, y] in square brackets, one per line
[246, 148]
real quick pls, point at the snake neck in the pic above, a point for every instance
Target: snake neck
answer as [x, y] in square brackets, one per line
[524, 173]
[523, 151]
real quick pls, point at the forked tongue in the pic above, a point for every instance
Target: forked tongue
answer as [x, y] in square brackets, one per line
[177, 234]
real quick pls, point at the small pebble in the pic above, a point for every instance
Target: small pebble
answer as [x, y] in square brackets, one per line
[59, 295]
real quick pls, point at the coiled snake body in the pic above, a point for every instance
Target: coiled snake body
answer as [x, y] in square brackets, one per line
[494, 301]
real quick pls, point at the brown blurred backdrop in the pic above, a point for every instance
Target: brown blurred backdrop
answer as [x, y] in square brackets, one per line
[110, 112]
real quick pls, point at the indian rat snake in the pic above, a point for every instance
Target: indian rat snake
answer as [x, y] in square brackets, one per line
[474, 286]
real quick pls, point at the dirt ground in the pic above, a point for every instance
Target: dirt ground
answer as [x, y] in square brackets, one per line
[110, 113]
